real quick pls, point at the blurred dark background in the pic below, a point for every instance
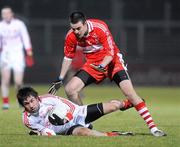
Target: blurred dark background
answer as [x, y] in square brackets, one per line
[147, 32]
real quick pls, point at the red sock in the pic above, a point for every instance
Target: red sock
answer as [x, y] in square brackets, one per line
[112, 134]
[5, 100]
[144, 112]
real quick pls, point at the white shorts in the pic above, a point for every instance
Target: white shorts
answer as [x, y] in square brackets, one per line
[14, 61]
[79, 119]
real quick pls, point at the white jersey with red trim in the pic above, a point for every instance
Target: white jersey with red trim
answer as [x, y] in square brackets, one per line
[97, 44]
[40, 122]
[13, 38]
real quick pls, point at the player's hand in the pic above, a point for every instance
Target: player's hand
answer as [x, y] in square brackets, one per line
[55, 86]
[56, 120]
[29, 61]
[99, 67]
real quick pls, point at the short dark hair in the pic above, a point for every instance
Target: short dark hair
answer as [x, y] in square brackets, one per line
[7, 7]
[24, 93]
[76, 17]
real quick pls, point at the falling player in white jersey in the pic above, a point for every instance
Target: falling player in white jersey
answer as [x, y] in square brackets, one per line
[14, 38]
[76, 122]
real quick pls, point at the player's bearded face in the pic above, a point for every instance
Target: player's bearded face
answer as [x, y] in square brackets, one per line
[31, 104]
[7, 14]
[79, 29]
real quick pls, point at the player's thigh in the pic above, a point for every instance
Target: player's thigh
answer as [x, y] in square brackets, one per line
[79, 81]
[94, 111]
[122, 79]
[85, 77]
[75, 84]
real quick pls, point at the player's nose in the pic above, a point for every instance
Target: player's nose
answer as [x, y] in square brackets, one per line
[31, 105]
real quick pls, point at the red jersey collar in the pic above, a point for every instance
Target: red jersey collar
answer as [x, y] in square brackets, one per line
[90, 26]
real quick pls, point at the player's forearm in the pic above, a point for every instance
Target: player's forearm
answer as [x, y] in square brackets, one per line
[106, 60]
[65, 67]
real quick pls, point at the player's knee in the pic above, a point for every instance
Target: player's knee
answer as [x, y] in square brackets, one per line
[70, 89]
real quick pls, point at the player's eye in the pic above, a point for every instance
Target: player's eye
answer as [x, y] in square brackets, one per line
[74, 29]
[32, 100]
[26, 103]
[79, 28]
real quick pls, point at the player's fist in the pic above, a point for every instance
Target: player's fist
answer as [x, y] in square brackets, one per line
[29, 61]
[55, 86]
[99, 67]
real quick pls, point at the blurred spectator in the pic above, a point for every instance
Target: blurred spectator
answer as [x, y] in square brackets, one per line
[13, 38]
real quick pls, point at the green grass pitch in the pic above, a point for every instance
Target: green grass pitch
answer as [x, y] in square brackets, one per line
[163, 103]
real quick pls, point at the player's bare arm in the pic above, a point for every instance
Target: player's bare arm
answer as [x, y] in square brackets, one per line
[65, 67]
[59, 82]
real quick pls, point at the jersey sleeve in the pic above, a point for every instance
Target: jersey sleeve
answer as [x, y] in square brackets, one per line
[70, 46]
[36, 127]
[0, 38]
[0, 43]
[25, 37]
[31, 124]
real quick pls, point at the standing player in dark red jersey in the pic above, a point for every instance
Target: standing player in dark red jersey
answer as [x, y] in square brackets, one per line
[103, 59]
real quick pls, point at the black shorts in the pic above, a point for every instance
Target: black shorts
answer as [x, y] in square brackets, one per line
[85, 77]
[88, 79]
[120, 76]
[94, 111]
[70, 130]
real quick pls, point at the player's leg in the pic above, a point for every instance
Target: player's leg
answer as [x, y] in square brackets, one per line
[125, 84]
[95, 111]
[18, 78]
[82, 131]
[76, 84]
[5, 82]
[79, 130]
[18, 71]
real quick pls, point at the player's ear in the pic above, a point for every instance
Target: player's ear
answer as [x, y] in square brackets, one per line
[85, 22]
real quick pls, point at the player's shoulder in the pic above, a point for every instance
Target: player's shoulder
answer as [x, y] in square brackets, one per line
[47, 97]
[26, 117]
[18, 21]
[94, 20]
[70, 35]
[98, 24]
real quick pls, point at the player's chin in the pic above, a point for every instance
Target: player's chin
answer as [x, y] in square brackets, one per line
[34, 110]
[79, 36]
